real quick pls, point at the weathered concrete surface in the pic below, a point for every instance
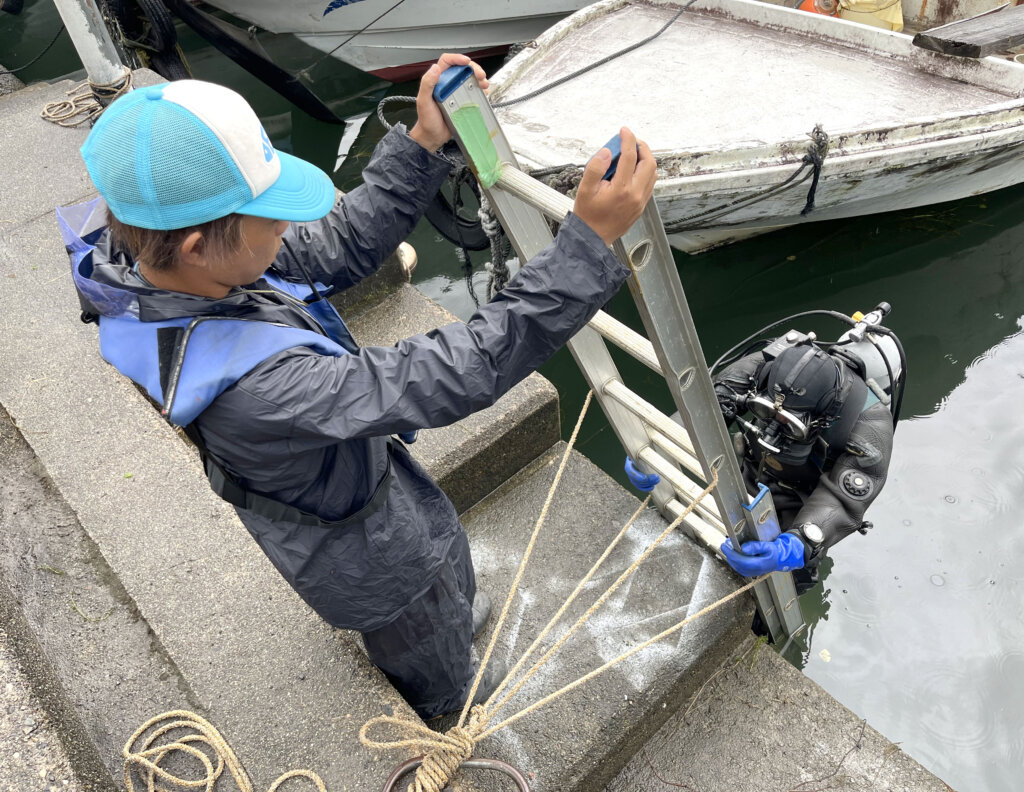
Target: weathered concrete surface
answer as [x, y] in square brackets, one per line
[472, 457]
[58, 606]
[578, 742]
[186, 615]
[759, 724]
[42, 167]
[8, 82]
[32, 756]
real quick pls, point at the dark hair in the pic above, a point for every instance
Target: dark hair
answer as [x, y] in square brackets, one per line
[159, 249]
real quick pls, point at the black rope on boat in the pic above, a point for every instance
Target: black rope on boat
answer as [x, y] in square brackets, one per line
[815, 156]
[813, 159]
[601, 62]
[308, 70]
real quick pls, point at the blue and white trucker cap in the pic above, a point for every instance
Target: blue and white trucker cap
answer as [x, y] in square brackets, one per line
[187, 152]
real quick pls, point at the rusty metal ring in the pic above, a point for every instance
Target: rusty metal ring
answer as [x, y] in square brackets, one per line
[473, 764]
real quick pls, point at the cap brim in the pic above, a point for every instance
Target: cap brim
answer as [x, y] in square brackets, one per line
[301, 193]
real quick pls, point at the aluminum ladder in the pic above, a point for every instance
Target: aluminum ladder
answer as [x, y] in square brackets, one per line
[702, 444]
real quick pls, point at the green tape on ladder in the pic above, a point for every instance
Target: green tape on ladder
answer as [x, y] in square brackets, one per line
[469, 123]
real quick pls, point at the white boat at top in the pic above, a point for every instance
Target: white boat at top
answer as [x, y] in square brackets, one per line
[727, 95]
[399, 40]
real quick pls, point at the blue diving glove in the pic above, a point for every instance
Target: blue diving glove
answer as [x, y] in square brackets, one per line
[644, 482]
[785, 554]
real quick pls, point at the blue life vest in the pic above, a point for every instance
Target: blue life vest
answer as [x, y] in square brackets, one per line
[186, 363]
[213, 352]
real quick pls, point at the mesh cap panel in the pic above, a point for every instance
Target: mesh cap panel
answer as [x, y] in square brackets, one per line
[184, 153]
[194, 179]
[158, 167]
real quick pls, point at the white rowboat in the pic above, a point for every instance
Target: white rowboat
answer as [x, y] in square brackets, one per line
[728, 94]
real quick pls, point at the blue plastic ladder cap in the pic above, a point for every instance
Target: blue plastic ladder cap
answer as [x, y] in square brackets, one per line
[615, 147]
[451, 79]
[762, 490]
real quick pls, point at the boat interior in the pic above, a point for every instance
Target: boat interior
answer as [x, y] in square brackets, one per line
[731, 74]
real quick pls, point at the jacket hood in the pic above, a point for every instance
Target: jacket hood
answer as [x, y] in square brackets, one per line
[105, 279]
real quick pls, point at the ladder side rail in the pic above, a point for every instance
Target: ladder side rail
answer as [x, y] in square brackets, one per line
[671, 335]
[665, 313]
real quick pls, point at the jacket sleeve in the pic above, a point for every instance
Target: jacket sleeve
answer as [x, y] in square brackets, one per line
[434, 379]
[838, 503]
[367, 224]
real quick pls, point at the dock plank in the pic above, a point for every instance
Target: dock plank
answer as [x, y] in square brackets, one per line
[979, 36]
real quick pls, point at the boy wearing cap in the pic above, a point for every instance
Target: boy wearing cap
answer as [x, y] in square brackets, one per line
[208, 286]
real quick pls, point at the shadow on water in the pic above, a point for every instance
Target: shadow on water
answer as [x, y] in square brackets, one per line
[914, 627]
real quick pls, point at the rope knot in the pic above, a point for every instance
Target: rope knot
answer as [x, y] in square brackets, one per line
[817, 150]
[439, 766]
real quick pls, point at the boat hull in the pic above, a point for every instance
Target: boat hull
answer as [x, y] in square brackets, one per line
[906, 127]
[912, 176]
[403, 41]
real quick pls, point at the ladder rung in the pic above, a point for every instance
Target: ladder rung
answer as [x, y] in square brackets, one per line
[673, 451]
[537, 194]
[652, 416]
[626, 339]
[708, 534]
[683, 485]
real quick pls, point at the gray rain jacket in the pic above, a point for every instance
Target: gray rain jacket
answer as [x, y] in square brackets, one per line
[312, 430]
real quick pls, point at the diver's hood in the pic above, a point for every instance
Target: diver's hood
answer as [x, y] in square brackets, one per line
[807, 379]
[814, 383]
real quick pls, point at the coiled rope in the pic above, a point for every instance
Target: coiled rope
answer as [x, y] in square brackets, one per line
[445, 752]
[144, 755]
[86, 101]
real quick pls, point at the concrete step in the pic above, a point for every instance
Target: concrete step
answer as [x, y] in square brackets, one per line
[580, 741]
[121, 615]
[760, 724]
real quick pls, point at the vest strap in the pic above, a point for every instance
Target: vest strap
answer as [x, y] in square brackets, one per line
[230, 490]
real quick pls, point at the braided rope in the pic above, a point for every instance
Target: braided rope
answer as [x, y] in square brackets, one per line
[143, 755]
[86, 101]
[608, 593]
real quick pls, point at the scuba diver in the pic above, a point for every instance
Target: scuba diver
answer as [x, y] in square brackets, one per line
[816, 422]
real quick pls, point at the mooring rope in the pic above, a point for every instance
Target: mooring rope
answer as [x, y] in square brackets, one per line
[817, 150]
[37, 57]
[445, 752]
[86, 101]
[143, 755]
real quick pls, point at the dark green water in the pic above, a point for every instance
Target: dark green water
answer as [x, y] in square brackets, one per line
[917, 626]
